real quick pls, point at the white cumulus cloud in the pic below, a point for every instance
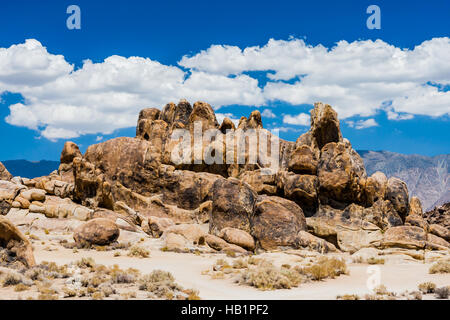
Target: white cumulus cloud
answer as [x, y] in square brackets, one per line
[302, 119]
[362, 124]
[357, 79]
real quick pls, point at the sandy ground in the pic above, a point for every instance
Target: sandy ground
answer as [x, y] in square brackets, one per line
[398, 274]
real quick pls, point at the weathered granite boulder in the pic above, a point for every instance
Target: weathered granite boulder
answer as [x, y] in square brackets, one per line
[276, 222]
[98, 231]
[325, 125]
[4, 174]
[238, 237]
[397, 194]
[16, 245]
[233, 203]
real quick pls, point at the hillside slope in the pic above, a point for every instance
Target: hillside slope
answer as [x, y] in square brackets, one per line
[426, 177]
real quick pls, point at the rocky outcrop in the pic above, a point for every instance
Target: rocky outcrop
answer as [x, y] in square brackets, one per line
[325, 125]
[248, 203]
[14, 246]
[397, 194]
[69, 152]
[4, 174]
[439, 215]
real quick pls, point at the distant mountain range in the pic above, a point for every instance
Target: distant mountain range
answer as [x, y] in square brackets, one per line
[426, 177]
[30, 169]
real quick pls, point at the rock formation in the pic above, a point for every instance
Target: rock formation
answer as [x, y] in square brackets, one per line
[4, 174]
[318, 197]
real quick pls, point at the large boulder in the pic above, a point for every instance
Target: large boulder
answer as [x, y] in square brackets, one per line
[261, 182]
[382, 213]
[439, 215]
[325, 125]
[439, 231]
[16, 245]
[173, 113]
[341, 175]
[276, 222]
[303, 160]
[55, 207]
[416, 220]
[238, 237]
[233, 202]
[109, 169]
[375, 187]
[397, 194]
[203, 113]
[70, 152]
[8, 193]
[9, 190]
[409, 237]
[311, 242]
[303, 189]
[254, 121]
[348, 229]
[100, 231]
[4, 174]
[192, 232]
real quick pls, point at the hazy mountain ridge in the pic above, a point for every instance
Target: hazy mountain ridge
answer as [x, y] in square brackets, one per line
[426, 177]
[30, 169]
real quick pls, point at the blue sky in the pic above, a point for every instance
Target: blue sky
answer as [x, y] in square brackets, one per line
[165, 32]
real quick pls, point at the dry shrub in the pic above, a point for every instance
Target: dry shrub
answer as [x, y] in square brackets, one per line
[21, 287]
[427, 287]
[240, 264]
[138, 251]
[266, 276]
[324, 268]
[348, 297]
[127, 276]
[221, 265]
[11, 279]
[97, 295]
[192, 294]
[159, 282]
[44, 296]
[441, 266]
[442, 293]
[381, 290]
[85, 263]
[373, 260]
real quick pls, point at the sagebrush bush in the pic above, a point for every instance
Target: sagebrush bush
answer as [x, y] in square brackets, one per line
[324, 268]
[441, 266]
[265, 276]
[427, 287]
[442, 293]
[373, 260]
[138, 251]
[159, 282]
[348, 297]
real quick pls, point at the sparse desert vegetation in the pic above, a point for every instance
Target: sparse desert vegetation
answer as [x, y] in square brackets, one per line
[441, 266]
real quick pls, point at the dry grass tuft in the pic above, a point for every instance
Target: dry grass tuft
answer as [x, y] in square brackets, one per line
[265, 276]
[441, 266]
[138, 251]
[324, 268]
[427, 287]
